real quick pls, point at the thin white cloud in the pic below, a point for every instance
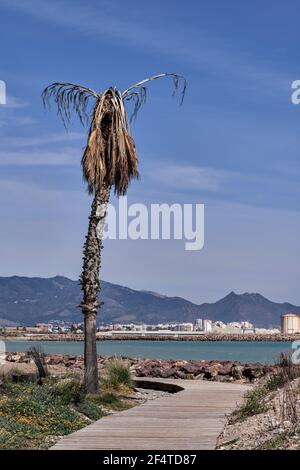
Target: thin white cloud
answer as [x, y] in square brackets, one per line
[188, 177]
[12, 102]
[14, 120]
[37, 141]
[191, 178]
[66, 156]
[10, 113]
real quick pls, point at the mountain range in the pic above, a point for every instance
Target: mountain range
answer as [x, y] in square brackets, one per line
[26, 301]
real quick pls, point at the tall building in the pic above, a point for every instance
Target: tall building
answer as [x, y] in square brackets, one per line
[198, 325]
[290, 323]
[207, 326]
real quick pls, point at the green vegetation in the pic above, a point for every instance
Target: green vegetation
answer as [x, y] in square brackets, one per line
[256, 400]
[254, 404]
[275, 382]
[33, 415]
[112, 400]
[116, 387]
[69, 391]
[90, 409]
[117, 376]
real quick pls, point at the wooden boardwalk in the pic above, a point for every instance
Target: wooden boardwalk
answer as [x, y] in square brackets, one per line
[190, 419]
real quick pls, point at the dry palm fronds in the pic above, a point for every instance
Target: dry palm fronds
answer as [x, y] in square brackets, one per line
[138, 91]
[110, 155]
[68, 97]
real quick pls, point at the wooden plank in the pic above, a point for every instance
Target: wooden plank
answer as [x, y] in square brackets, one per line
[190, 419]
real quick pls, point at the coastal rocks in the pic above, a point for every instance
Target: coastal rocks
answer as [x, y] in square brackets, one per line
[212, 371]
[225, 368]
[237, 372]
[166, 373]
[191, 368]
[12, 357]
[54, 359]
[223, 371]
[226, 371]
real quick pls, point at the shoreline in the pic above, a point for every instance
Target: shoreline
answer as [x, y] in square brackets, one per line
[248, 337]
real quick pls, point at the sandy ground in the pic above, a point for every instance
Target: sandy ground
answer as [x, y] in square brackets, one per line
[54, 370]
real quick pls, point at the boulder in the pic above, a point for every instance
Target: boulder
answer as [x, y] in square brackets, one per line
[179, 375]
[211, 371]
[14, 357]
[253, 372]
[225, 368]
[143, 371]
[199, 376]
[237, 372]
[191, 368]
[55, 359]
[168, 372]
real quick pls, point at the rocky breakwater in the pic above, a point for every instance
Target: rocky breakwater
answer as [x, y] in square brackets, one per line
[223, 371]
[247, 337]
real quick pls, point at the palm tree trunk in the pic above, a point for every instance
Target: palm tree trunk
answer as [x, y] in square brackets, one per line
[90, 284]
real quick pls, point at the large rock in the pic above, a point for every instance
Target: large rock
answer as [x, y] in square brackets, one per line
[225, 368]
[253, 372]
[167, 373]
[55, 359]
[13, 357]
[212, 371]
[180, 375]
[192, 368]
[237, 372]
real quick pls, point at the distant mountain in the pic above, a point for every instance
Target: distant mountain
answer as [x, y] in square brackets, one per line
[247, 307]
[26, 301]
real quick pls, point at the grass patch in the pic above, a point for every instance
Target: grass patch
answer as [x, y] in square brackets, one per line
[275, 382]
[117, 375]
[116, 387]
[70, 391]
[111, 401]
[90, 409]
[255, 401]
[32, 415]
[254, 404]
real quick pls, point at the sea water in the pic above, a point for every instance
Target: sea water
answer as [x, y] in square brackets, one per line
[265, 351]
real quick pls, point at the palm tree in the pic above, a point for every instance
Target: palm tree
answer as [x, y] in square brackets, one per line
[109, 161]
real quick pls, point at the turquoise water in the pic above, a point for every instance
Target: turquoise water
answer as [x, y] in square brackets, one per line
[264, 352]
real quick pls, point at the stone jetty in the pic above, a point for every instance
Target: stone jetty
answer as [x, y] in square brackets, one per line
[221, 371]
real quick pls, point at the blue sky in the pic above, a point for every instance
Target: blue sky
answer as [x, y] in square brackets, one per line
[233, 145]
